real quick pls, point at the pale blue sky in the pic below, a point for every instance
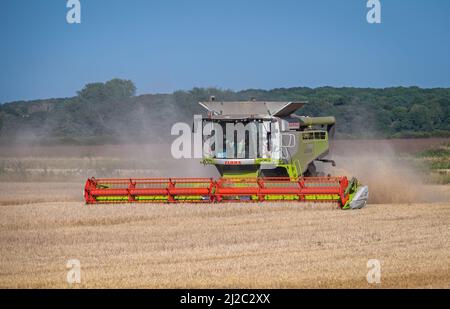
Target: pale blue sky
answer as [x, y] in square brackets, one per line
[168, 45]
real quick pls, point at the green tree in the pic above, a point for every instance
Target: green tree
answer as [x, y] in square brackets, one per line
[419, 116]
[95, 92]
[383, 121]
[120, 88]
[400, 119]
[114, 89]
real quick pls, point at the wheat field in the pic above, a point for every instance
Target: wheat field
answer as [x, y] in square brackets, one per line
[216, 246]
[44, 223]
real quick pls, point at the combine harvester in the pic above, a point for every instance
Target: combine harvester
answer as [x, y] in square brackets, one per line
[271, 158]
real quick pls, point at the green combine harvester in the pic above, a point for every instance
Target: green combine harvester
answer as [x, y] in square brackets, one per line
[263, 151]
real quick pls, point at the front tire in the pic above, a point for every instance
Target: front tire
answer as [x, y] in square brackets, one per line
[311, 171]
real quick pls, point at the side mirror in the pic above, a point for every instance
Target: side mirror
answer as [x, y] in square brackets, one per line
[287, 140]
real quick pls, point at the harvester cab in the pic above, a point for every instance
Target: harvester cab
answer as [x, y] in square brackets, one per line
[264, 139]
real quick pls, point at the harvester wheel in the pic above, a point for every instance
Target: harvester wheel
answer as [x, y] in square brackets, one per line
[311, 171]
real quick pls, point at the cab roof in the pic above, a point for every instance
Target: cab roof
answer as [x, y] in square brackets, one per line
[251, 109]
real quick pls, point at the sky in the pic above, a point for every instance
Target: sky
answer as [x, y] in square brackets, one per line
[170, 45]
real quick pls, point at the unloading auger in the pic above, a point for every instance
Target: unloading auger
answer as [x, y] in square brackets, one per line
[263, 152]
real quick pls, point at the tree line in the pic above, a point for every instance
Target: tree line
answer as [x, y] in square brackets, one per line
[111, 112]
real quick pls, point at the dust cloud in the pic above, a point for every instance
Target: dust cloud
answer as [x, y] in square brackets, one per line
[391, 178]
